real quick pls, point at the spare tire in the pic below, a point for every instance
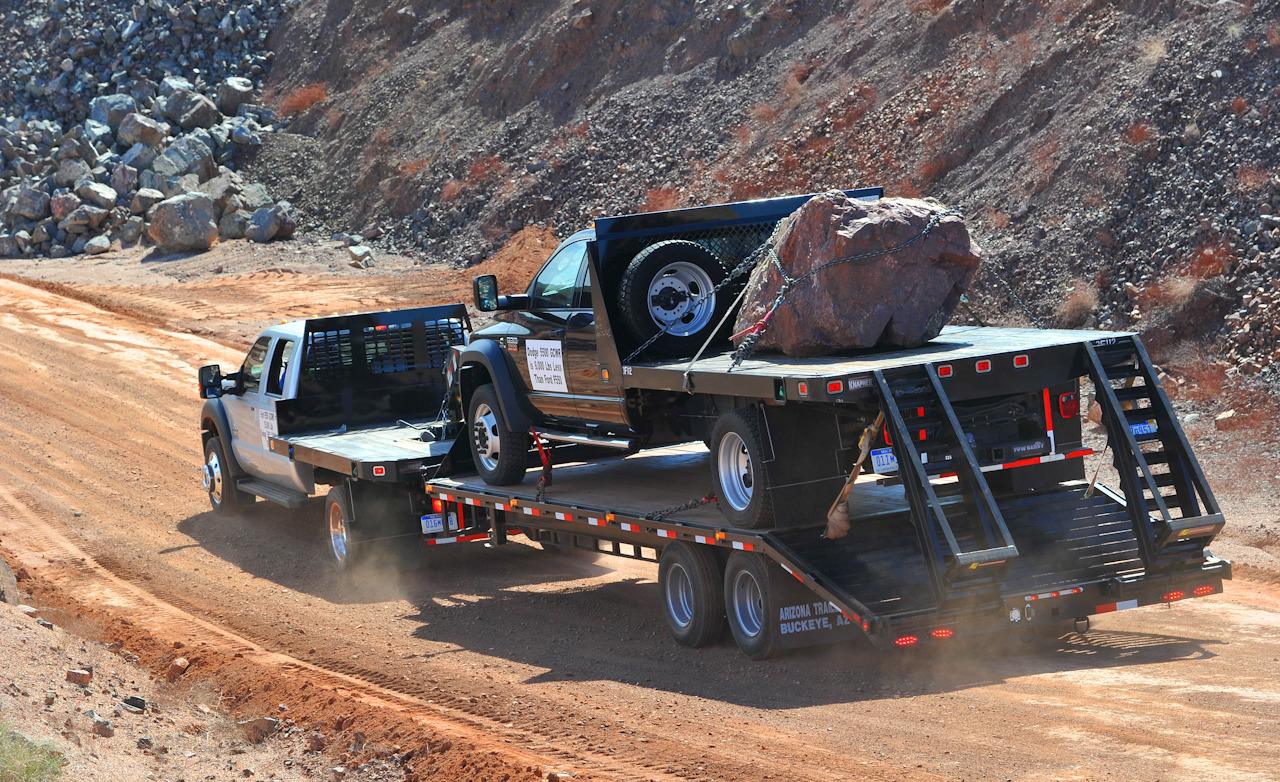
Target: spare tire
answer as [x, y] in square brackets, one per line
[668, 288]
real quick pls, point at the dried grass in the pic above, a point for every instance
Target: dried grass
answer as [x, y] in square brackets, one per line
[1078, 306]
[303, 98]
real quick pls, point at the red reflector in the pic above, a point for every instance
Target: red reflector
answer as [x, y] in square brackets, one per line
[1176, 594]
[944, 370]
[1203, 589]
[1069, 405]
[437, 506]
[379, 471]
[887, 439]
[380, 328]
[983, 366]
[942, 632]
[1022, 361]
[906, 640]
[835, 386]
[803, 388]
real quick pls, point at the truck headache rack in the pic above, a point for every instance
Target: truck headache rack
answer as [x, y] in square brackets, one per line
[1173, 510]
[968, 538]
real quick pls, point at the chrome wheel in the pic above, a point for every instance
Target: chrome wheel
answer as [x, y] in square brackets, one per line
[484, 433]
[212, 478]
[734, 465]
[338, 536]
[679, 594]
[672, 295]
[748, 604]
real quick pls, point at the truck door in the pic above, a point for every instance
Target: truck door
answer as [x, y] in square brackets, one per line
[541, 358]
[242, 409]
[280, 381]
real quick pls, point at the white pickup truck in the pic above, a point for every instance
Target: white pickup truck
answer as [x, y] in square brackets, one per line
[352, 402]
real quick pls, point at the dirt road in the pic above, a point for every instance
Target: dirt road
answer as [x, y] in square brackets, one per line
[511, 662]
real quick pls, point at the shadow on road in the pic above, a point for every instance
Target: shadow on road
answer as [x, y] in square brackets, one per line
[583, 617]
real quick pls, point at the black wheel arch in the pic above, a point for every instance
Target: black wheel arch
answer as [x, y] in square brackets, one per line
[484, 361]
[214, 423]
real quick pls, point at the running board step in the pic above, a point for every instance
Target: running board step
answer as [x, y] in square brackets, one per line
[616, 443]
[272, 493]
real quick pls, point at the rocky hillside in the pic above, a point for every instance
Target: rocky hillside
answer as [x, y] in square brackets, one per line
[1118, 160]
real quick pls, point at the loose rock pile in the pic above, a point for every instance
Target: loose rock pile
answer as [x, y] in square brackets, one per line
[129, 123]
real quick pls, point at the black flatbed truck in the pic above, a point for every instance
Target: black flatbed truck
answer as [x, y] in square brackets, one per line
[990, 525]
[902, 577]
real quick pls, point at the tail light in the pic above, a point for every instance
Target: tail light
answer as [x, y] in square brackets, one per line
[437, 506]
[1069, 405]
[904, 641]
[1203, 589]
[942, 633]
[1176, 594]
[835, 386]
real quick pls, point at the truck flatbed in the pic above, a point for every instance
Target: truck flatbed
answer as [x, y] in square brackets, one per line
[357, 451]
[758, 375]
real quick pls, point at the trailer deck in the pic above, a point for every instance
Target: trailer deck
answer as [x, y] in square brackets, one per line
[1078, 553]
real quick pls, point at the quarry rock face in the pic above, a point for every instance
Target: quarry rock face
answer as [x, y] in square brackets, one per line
[901, 298]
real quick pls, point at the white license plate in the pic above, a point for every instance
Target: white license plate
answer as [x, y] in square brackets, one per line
[432, 523]
[1143, 428]
[883, 461]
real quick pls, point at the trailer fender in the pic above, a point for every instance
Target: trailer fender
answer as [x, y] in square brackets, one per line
[214, 422]
[487, 355]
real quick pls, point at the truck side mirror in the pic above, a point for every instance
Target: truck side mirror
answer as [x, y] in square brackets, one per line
[210, 381]
[485, 288]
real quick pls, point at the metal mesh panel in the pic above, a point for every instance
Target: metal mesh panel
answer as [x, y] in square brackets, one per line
[441, 335]
[389, 348]
[328, 351]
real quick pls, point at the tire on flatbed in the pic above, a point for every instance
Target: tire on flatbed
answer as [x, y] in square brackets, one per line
[658, 287]
[486, 432]
[690, 584]
[738, 471]
[219, 482]
[749, 606]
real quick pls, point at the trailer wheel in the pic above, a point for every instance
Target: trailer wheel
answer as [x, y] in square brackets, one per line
[737, 469]
[500, 455]
[223, 494]
[659, 290]
[749, 605]
[690, 583]
[339, 531]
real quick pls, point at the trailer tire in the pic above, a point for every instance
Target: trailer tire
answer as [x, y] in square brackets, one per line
[691, 586]
[749, 605]
[738, 471]
[656, 289]
[339, 530]
[219, 482]
[487, 429]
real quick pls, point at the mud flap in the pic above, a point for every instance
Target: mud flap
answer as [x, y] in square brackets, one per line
[801, 618]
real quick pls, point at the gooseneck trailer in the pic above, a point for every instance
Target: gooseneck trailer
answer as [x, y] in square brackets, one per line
[975, 514]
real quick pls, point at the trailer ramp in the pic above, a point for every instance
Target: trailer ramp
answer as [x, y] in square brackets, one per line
[1172, 509]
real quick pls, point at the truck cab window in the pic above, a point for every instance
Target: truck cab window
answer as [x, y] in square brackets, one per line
[279, 366]
[556, 286]
[251, 369]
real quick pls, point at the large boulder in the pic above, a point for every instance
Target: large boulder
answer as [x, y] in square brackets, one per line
[70, 170]
[140, 129]
[98, 194]
[31, 203]
[111, 110]
[186, 155]
[185, 222]
[190, 110]
[272, 222]
[232, 92]
[895, 299]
